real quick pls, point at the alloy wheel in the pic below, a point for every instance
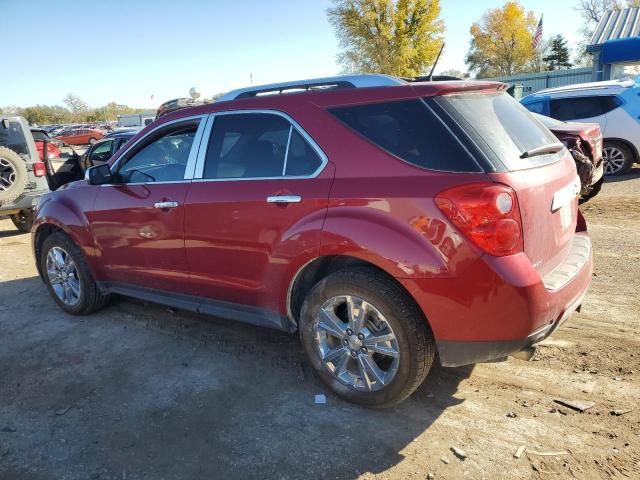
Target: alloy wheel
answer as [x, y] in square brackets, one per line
[614, 160]
[7, 174]
[63, 276]
[356, 343]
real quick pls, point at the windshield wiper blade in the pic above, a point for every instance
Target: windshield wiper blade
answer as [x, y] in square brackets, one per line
[550, 148]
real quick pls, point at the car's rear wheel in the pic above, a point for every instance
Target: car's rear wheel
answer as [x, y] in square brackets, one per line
[23, 220]
[618, 158]
[366, 338]
[92, 141]
[67, 276]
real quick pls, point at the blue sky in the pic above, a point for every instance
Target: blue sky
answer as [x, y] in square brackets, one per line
[126, 51]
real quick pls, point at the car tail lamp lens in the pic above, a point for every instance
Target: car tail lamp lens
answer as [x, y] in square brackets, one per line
[39, 169]
[487, 214]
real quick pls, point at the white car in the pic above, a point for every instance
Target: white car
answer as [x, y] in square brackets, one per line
[614, 105]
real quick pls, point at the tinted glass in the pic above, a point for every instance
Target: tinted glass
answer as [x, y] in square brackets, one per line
[162, 160]
[39, 135]
[502, 127]
[13, 137]
[411, 132]
[582, 107]
[102, 151]
[536, 107]
[251, 145]
[302, 159]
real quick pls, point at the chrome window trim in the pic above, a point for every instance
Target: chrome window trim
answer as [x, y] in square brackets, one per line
[126, 150]
[193, 152]
[199, 173]
[286, 152]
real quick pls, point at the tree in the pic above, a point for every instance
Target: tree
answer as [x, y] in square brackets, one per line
[452, 72]
[559, 54]
[75, 103]
[501, 42]
[396, 37]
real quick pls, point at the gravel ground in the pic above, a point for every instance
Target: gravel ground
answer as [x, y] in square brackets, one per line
[141, 392]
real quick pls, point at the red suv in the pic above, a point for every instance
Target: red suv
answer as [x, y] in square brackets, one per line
[384, 220]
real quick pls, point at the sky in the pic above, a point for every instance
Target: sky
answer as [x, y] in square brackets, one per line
[144, 52]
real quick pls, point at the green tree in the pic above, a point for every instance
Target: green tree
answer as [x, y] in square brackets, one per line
[396, 37]
[558, 56]
[501, 42]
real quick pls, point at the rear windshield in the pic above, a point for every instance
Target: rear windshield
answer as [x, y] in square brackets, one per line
[13, 137]
[501, 127]
[409, 130]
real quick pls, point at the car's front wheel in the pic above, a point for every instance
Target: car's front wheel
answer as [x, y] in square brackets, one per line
[68, 277]
[366, 338]
[617, 157]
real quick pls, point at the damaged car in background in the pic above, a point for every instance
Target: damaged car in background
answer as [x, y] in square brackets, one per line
[584, 141]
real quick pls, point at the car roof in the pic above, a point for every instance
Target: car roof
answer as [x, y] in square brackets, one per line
[332, 91]
[592, 88]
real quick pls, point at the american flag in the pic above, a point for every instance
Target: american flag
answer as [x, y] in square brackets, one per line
[537, 36]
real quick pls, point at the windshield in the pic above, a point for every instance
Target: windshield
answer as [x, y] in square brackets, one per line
[13, 137]
[501, 127]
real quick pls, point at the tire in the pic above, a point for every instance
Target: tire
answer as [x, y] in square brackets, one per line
[92, 141]
[23, 220]
[13, 175]
[401, 317]
[619, 153]
[89, 298]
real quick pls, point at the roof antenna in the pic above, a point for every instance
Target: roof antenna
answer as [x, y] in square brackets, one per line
[430, 77]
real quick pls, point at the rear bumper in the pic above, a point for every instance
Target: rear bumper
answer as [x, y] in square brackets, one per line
[27, 200]
[499, 306]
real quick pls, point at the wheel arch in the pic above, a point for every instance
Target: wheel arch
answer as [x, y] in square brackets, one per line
[627, 144]
[318, 268]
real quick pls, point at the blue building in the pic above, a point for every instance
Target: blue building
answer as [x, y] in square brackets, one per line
[615, 45]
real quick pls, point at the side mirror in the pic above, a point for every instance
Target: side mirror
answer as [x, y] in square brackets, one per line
[100, 175]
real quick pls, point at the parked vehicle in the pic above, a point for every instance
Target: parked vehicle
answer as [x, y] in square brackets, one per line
[136, 119]
[584, 141]
[614, 105]
[22, 173]
[123, 130]
[176, 104]
[101, 151]
[41, 137]
[383, 220]
[80, 136]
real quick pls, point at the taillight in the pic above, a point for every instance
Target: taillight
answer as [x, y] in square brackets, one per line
[487, 214]
[39, 169]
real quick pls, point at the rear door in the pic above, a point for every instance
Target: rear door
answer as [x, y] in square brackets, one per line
[546, 184]
[255, 210]
[137, 222]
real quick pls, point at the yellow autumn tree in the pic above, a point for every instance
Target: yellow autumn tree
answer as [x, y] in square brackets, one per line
[501, 42]
[396, 37]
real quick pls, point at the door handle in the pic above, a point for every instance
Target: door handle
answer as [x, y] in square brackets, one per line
[284, 199]
[165, 205]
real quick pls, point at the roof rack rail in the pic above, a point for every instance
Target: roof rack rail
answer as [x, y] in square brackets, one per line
[342, 81]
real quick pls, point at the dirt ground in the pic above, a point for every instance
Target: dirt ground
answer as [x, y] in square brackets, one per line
[141, 392]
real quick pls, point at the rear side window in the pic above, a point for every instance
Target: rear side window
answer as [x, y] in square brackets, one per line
[582, 107]
[410, 131]
[13, 137]
[501, 127]
[536, 107]
[258, 145]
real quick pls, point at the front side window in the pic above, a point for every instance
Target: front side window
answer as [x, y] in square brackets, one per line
[101, 152]
[162, 159]
[257, 145]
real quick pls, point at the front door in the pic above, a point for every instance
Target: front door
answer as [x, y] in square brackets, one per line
[137, 221]
[257, 210]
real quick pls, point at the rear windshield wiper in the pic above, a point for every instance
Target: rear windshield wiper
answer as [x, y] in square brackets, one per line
[550, 148]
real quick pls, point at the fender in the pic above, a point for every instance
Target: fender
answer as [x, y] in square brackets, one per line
[64, 210]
